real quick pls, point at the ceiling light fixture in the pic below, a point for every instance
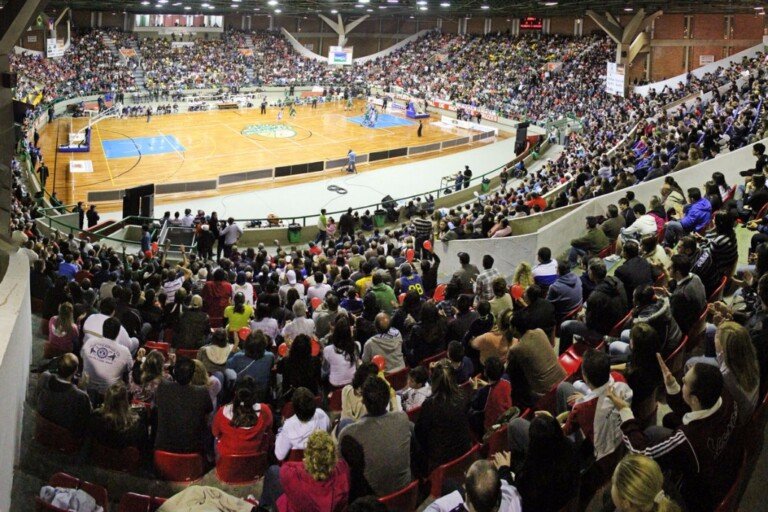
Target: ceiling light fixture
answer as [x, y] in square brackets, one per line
[445, 4]
[278, 11]
[485, 7]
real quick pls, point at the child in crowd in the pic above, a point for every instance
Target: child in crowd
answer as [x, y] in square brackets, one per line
[418, 389]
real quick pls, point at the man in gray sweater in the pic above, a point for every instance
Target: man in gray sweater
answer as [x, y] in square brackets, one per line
[378, 446]
[388, 342]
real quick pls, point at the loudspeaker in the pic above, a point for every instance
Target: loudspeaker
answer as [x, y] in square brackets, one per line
[131, 206]
[388, 202]
[522, 133]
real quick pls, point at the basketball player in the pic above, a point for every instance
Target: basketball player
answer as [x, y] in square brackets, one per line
[292, 111]
[280, 115]
[348, 107]
[149, 114]
[421, 127]
[263, 105]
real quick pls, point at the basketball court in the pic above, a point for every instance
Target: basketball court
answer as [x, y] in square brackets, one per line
[196, 146]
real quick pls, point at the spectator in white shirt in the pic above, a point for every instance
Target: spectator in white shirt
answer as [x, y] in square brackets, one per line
[319, 289]
[105, 361]
[242, 285]
[295, 431]
[264, 323]
[94, 326]
[290, 278]
[300, 323]
[188, 220]
[231, 234]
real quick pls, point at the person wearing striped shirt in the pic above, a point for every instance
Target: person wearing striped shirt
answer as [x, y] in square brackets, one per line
[422, 227]
[699, 439]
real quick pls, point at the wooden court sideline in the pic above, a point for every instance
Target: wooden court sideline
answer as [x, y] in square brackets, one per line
[213, 144]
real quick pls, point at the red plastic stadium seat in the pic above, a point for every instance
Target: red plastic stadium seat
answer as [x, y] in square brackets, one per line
[413, 414]
[497, 442]
[179, 467]
[65, 480]
[55, 437]
[547, 402]
[132, 502]
[616, 330]
[127, 459]
[717, 294]
[295, 455]
[241, 469]
[433, 359]
[316, 302]
[334, 400]
[161, 346]
[168, 335]
[676, 359]
[399, 379]
[570, 362]
[453, 469]
[608, 250]
[404, 500]
[401, 298]
[439, 294]
[186, 352]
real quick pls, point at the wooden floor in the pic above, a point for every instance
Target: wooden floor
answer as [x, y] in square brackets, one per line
[214, 145]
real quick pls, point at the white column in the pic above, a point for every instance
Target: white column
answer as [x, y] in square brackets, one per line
[515, 29]
[93, 19]
[271, 22]
[100, 19]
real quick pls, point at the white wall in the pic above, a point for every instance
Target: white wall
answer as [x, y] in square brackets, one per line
[643, 90]
[300, 48]
[15, 354]
[509, 252]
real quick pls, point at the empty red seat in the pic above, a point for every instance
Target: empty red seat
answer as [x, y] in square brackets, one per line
[399, 379]
[55, 437]
[133, 502]
[404, 500]
[454, 469]
[316, 302]
[241, 469]
[570, 362]
[186, 352]
[179, 467]
[160, 346]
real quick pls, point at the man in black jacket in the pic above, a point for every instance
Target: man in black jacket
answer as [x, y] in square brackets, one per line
[606, 305]
[635, 270]
[539, 313]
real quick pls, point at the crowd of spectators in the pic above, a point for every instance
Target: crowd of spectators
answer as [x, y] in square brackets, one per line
[343, 314]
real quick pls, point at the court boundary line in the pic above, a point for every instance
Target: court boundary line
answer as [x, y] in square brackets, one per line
[106, 159]
[166, 139]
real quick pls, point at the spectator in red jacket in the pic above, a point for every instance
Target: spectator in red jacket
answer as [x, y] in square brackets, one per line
[216, 294]
[241, 427]
[319, 483]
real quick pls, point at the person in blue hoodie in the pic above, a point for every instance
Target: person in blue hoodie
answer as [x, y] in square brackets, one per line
[696, 216]
[565, 292]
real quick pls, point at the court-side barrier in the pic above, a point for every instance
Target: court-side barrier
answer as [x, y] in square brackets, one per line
[239, 178]
[252, 236]
[557, 235]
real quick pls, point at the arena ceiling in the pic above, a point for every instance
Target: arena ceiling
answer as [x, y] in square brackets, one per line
[431, 8]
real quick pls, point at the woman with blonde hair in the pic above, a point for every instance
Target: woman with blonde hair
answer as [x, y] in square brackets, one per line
[638, 486]
[523, 275]
[737, 360]
[62, 332]
[319, 483]
[201, 378]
